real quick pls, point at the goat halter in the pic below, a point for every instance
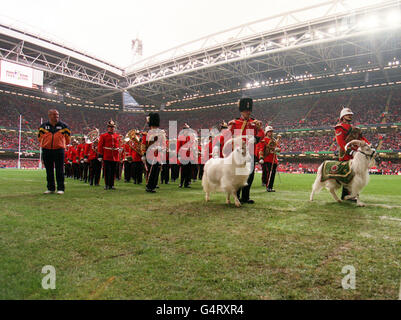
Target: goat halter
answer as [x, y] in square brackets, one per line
[370, 156]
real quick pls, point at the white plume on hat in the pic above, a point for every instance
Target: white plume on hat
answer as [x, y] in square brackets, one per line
[268, 128]
[345, 111]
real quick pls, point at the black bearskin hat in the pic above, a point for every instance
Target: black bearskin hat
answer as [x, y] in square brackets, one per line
[245, 104]
[154, 119]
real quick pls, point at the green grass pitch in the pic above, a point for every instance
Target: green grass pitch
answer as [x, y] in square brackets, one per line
[129, 244]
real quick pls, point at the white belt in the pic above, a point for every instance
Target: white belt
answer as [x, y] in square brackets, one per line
[107, 148]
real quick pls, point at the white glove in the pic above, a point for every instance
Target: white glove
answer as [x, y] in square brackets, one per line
[99, 159]
[261, 161]
[143, 158]
[277, 150]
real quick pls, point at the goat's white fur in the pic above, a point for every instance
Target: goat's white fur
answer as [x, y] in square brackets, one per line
[227, 174]
[359, 165]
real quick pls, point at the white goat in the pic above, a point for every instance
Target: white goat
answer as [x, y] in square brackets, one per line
[363, 159]
[228, 174]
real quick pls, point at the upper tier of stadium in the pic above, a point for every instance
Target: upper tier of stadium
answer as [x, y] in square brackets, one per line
[318, 49]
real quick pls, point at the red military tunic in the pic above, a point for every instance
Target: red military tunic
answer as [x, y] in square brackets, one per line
[87, 148]
[342, 131]
[69, 154]
[135, 156]
[80, 149]
[242, 126]
[184, 147]
[153, 155]
[108, 146]
[67, 150]
[269, 157]
[92, 153]
[74, 155]
[127, 152]
[221, 139]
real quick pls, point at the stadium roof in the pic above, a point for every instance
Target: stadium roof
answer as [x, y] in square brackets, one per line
[281, 56]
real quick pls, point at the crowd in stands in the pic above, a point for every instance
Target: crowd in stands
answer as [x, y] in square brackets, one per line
[306, 144]
[383, 167]
[9, 140]
[25, 163]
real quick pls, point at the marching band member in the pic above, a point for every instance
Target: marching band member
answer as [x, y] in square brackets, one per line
[220, 139]
[127, 161]
[151, 159]
[137, 164]
[95, 166]
[184, 149]
[86, 164]
[108, 149]
[267, 149]
[174, 163]
[75, 159]
[80, 151]
[244, 123]
[66, 162]
[345, 132]
[165, 170]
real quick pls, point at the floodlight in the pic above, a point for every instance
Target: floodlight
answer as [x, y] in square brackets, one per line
[393, 18]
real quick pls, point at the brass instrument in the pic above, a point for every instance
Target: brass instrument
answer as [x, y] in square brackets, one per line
[134, 141]
[270, 147]
[92, 136]
[355, 134]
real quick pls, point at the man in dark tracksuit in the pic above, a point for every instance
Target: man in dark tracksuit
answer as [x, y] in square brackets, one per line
[54, 136]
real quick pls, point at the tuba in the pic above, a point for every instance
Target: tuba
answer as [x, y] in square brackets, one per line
[133, 140]
[269, 148]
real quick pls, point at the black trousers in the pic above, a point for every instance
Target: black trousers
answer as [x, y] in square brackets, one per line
[344, 193]
[247, 189]
[186, 174]
[95, 169]
[175, 172]
[153, 175]
[86, 169]
[119, 169]
[127, 171]
[264, 179]
[54, 159]
[81, 170]
[68, 170]
[137, 171]
[200, 174]
[194, 171]
[267, 166]
[165, 173]
[75, 169]
[109, 172]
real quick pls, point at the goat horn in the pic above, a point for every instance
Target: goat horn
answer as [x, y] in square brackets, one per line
[357, 142]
